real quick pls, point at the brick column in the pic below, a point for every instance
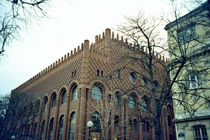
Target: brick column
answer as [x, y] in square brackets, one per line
[76, 133]
[126, 119]
[47, 121]
[66, 115]
[56, 119]
[82, 112]
[88, 114]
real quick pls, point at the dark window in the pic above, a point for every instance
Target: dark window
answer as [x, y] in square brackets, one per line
[96, 93]
[118, 74]
[116, 98]
[45, 104]
[200, 132]
[42, 130]
[187, 34]
[169, 121]
[135, 125]
[132, 77]
[72, 126]
[97, 73]
[101, 73]
[144, 82]
[130, 124]
[51, 129]
[147, 126]
[54, 101]
[193, 80]
[144, 105]
[75, 90]
[61, 127]
[63, 94]
[37, 106]
[131, 101]
[116, 122]
[110, 98]
[95, 130]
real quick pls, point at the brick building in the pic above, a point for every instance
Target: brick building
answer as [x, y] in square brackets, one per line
[87, 84]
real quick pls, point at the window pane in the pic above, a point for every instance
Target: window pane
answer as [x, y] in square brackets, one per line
[144, 104]
[63, 97]
[54, 101]
[72, 126]
[61, 128]
[131, 102]
[132, 78]
[75, 90]
[96, 93]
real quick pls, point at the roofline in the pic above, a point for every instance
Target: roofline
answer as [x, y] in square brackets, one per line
[193, 12]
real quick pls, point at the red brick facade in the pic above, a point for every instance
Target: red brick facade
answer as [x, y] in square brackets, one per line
[82, 69]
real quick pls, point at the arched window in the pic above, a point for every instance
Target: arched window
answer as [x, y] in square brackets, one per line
[63, 95]
[131, 101]
[95, 130]
[54, 100]
[147, 126]
[144, 82]
[34, 131]
[51, 129]
[118, 74]
[72, 125]
[200, 132]
[135, 124]
[132, 77]
[116, 122]
[42, 130]
[45, 104]
[144, 105]
[61, 127]
[75, 90]
[37, 106]
[96, 92]
[130, 124]
[116, 98]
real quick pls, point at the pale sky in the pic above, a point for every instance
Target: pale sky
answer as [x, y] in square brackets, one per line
[40, 46]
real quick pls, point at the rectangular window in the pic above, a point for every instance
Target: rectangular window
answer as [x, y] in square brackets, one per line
[200, 133]
[187, 33]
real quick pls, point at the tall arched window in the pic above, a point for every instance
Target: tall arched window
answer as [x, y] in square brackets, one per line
[61, 127]
[63, 95]
[54, 100]
[34, 131]
[96, 92]
[72, 125]
[75, 90]
[131, 101]
[45, 104]
[144, 105]
[116, 122]
[95, 130]
[147, 126]
[135, 124]
[116, 98]
[51, 129]
[42, 130]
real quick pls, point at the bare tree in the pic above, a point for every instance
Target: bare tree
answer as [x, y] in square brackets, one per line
[17, 14]
[148, 51]
[19, 117]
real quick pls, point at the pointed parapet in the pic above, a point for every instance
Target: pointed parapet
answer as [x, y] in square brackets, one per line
[54, 64]
[96, 39]
[126, 41]
[122, 38]
[71, 53]
[86, 45]
[68, 55]
[163, 58]
[107, 34]
[64, 57]
[99, 38]
[113, 35]
[61, 59]
[78, 48]
[103, 36]
[117, 37]
[75, 51]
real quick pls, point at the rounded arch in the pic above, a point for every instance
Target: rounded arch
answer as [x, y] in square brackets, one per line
[51, 125]
[45, 103]
[145, 103]
[100, 83]
[62, 95]
[73, 91]
[98, 91]
[60, 127]
[52, 99]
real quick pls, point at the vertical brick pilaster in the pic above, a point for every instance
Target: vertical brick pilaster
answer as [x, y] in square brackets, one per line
[76, 133]
[46, 128]
[126, 119]
[82, 112]
[88, 114]
[66, 115]
[55, 125]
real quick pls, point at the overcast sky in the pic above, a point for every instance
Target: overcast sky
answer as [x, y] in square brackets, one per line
[40, 46]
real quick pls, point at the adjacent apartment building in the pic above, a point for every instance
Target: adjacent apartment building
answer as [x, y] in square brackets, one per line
[88, 85]
[189, 39]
